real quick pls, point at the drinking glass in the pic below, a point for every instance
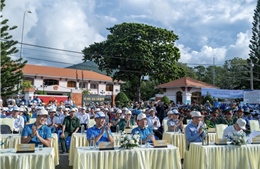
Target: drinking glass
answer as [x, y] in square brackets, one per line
[40, 146]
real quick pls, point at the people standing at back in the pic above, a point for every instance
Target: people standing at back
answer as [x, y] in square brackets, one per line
[68, 103]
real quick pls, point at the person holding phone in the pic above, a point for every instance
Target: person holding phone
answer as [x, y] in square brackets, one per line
[100, 131]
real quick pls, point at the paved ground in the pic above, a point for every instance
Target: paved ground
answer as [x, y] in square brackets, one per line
[64, 162]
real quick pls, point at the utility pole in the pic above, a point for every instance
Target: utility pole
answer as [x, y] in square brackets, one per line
[251, 75]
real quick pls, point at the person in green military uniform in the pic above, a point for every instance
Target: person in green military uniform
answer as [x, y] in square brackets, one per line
[187, 116]
[211, 123]
[228, 119]
[71, 124]
[126, 122]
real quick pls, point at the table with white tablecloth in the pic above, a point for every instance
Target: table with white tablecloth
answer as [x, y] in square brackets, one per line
[179, 140]
[40, 159]
[80, 140]
[141, 158]
[222, 156]
[11, 141]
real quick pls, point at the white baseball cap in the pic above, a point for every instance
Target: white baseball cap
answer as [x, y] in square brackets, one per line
[141, 116]
[73, 110]
[53, 110]
[128, 112]
[119, 111]
[170, 112]
[241, 123]
[196, 114]
[42, 112]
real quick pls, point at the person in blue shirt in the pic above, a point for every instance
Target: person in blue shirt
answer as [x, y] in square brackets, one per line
[38, 132]
[147, 134]
[100, 132]
[193, 131]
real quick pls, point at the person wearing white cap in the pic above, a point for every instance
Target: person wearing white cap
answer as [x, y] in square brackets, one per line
[175, 124]
[193, 131]
[38, 132]
[126, 122]
[116, 120]
[53, 121]
[100, 131]
[238, 128]
[147, 134]
[70, 125]
[18, 120]
[83, 118]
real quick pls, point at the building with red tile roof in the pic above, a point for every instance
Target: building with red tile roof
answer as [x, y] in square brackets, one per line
[64, 81]
[183, 90]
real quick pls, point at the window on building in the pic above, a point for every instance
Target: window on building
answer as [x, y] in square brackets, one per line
[49, 82]
[179, 97]
[109, 87]
[71, 84]
[93, 86]
[81, 85]
[196, 96]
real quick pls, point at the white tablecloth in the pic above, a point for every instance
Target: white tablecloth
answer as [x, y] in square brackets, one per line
[16, 139]
[80, 140]
[43, 159]
[179, 140]
[139, 158]
[222, 156]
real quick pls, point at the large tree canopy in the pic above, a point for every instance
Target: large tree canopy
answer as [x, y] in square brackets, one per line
[134, 50]
[11, 73]
[254, 46]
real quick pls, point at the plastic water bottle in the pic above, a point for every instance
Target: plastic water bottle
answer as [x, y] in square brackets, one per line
[82, 129]
[117, 128]
[92, 142]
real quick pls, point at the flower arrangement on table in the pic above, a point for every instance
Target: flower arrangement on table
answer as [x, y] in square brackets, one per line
[238, 139]
[129, 141]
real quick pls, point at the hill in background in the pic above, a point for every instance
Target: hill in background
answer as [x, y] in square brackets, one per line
[89, 65]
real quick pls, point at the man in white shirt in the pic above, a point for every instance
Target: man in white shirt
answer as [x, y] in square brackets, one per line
[68, 103]
[65, 114]
[53, 121]
[18, 120]
[237, 128]
[83, 118]
[153, 122]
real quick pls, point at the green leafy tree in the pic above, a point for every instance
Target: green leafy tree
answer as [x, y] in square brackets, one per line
[121, 99]
[232, 76]
[254, 46]
[11, 70]
[166, 100]
[133, 51]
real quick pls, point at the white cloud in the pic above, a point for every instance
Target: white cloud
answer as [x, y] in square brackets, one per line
[206, 29]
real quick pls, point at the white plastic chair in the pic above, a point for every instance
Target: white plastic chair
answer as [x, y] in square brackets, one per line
[91, 123]
[165, 126]
[7, 121]
[254, 125]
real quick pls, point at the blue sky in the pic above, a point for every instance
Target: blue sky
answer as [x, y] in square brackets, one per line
[206, 28]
